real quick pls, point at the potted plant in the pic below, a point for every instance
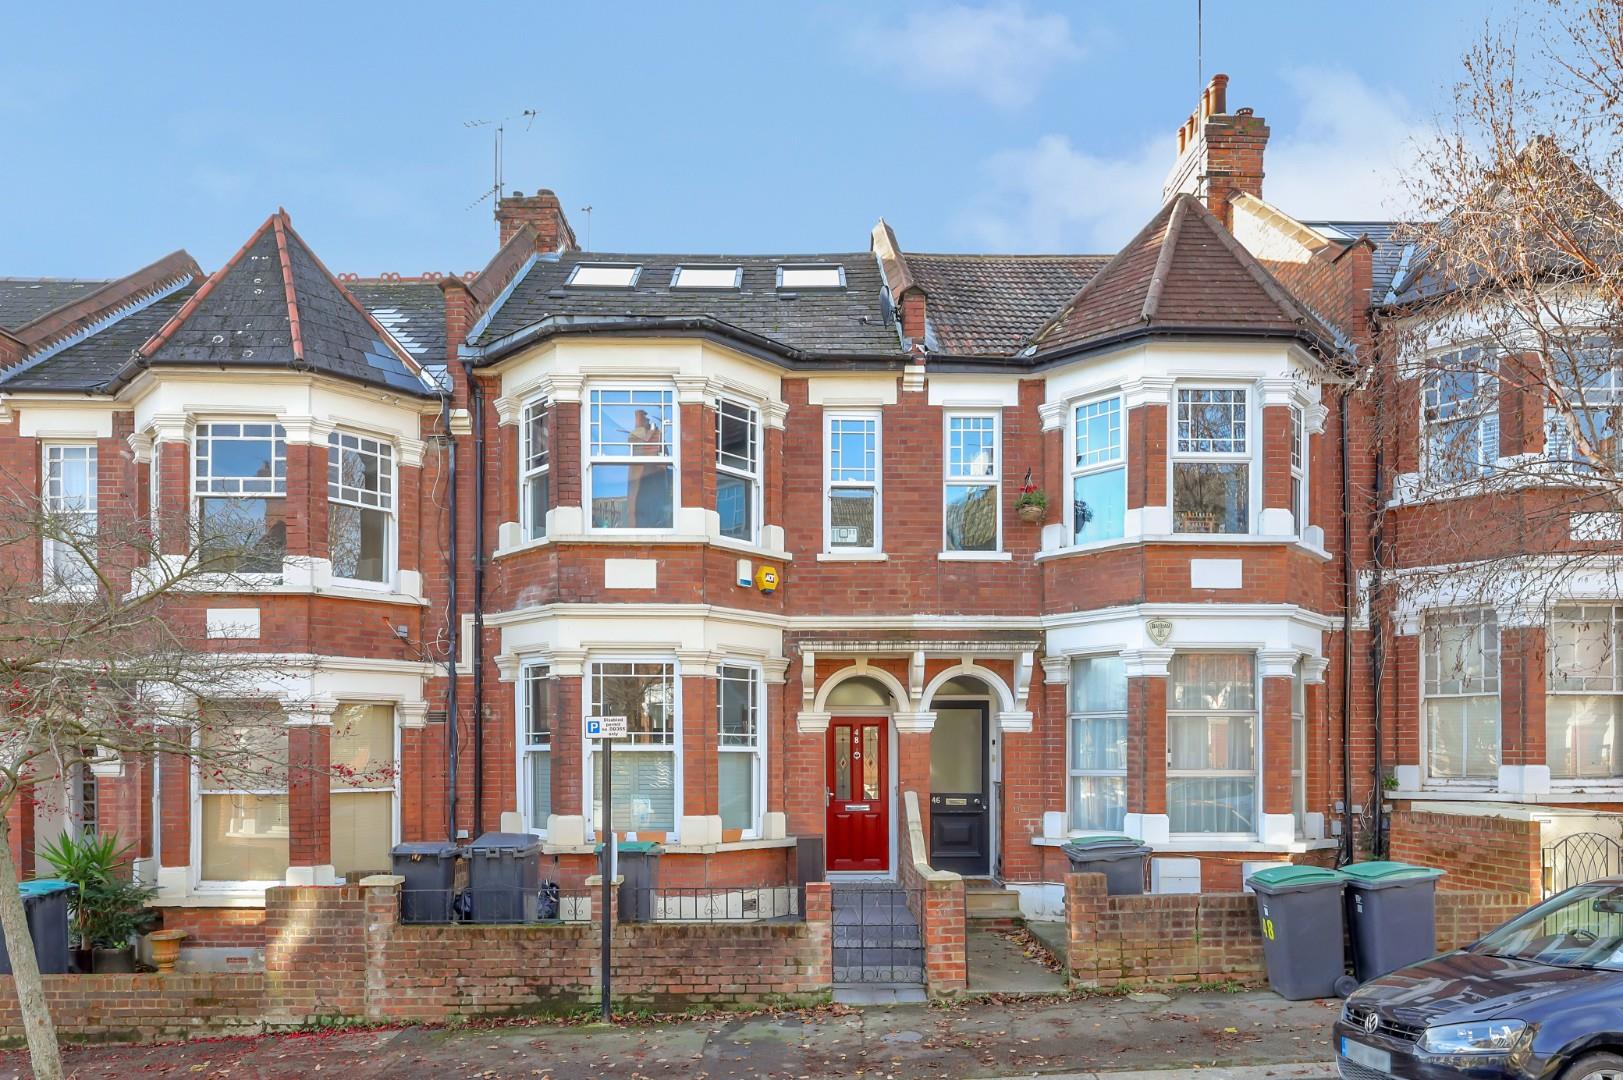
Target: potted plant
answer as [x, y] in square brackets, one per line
[1031, 504]
[109, 908]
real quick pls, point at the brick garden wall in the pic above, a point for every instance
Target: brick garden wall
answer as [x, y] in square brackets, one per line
[1481, 853]
[938, 905]
[336, 954]
[1201, 937]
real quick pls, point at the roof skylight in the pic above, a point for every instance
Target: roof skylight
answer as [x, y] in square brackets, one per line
[811, 277]
[707, 277]
[603, 276]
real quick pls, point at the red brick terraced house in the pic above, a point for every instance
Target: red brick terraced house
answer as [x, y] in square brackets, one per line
[765, 507]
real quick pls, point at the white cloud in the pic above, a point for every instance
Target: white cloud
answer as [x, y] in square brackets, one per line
[1341, 159]
[1000, 52]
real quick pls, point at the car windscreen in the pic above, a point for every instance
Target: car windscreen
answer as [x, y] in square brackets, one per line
[1582, 928]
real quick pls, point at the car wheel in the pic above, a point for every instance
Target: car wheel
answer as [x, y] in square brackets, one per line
[1595, 1067]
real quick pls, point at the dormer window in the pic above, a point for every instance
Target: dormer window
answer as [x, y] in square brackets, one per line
[707, 277]
[808, 276]
[603, 276]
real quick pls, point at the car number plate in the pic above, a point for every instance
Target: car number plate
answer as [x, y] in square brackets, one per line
[1367, 1056]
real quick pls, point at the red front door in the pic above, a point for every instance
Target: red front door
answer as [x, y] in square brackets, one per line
[858, 835]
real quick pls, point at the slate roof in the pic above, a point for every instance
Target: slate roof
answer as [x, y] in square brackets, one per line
[23, 300]
[1182, 272]
[274, 305]
[1388, 255]
[93, 364]
[990, 305]
[849, 322]
[412, 311]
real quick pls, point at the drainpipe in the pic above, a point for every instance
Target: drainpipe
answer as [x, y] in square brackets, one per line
[452, 629]
[1347, 848]
[476, 403]
[1377, 629]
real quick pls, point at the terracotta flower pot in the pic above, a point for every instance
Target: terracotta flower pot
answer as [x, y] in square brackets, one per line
[165, 948]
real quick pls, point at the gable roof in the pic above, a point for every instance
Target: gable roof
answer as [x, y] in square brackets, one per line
[850, 322]
[1183, 272]
[273, 304]
[22, 300]
[93, 364]
[990, 305]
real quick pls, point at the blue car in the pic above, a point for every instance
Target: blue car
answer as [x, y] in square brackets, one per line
[1540, 998]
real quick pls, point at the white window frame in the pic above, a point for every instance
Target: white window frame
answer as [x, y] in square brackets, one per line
[194, 768]
[1485, 415]
[876, 484]
[756, 751]
[1259, 750]
[387, 457]
[1299, 464]
[752, 475]
[531, 670]
[1299, 747]
[1595, 685]
[533, 469]
[673, 746]
[1118, 460]
[393, 787]
[1250, 457]
[589, 460]
[992, 480]
[55, 504]
[1492, 674]
[1072, 716]
[1605, 396]
[199, 486]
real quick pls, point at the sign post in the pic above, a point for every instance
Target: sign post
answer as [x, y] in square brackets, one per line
[606, 729]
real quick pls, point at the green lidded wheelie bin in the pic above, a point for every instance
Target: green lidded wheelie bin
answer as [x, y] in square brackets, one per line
[1391, 907]
[1119, 858]
[1301, 913]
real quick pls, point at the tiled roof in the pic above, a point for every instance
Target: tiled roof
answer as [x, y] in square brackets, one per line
[990, 305]
[412, 311]
[93, 364]
[274, 305]
[1389, 252]
[1182, 272]
[23, 300]
[850, 321]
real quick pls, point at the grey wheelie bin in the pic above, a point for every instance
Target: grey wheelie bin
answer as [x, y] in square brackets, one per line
[1119, 858]
[504, 878]
[430, 869]
[1391, 907]
[45, 902]
[1301, 911]
[638, 864]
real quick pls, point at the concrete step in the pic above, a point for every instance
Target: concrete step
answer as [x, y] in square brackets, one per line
[991, 902]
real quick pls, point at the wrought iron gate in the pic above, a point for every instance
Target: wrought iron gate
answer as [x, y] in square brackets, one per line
[1581, 857]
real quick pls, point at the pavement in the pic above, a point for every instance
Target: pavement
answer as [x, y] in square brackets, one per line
[1157, 1036]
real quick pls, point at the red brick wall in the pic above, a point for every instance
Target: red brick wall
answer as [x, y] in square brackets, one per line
[1476, 853]
[939, 907]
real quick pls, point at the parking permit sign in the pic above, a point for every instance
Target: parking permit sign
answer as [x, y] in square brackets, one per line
[605, 727]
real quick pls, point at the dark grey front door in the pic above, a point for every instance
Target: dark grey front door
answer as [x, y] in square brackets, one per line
[960, 806]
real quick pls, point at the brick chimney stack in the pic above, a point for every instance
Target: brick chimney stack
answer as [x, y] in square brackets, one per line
[1219, 152]
[543, 213]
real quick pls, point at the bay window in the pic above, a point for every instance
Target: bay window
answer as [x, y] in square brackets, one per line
[644, 784]
[973, 483]
[1459, 417]
[1098, 720]
[1298, 469]
[631, 464]
[738, 469]
[361, 799]
[1581, 422]
[1584, 704]
[1212, 743]
[1211, 461]
[360, 506]
[740, 738]
[536, 708]
[1098, 472]
[1299, 749]
[239, 478]
[851, 482]
[241, 771]
[70, 503]
[1460, 661]
[535, 453]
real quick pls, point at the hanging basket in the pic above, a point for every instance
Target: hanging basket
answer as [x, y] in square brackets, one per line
[1031, 513]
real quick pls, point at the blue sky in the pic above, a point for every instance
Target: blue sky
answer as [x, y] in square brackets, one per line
[691, 126]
